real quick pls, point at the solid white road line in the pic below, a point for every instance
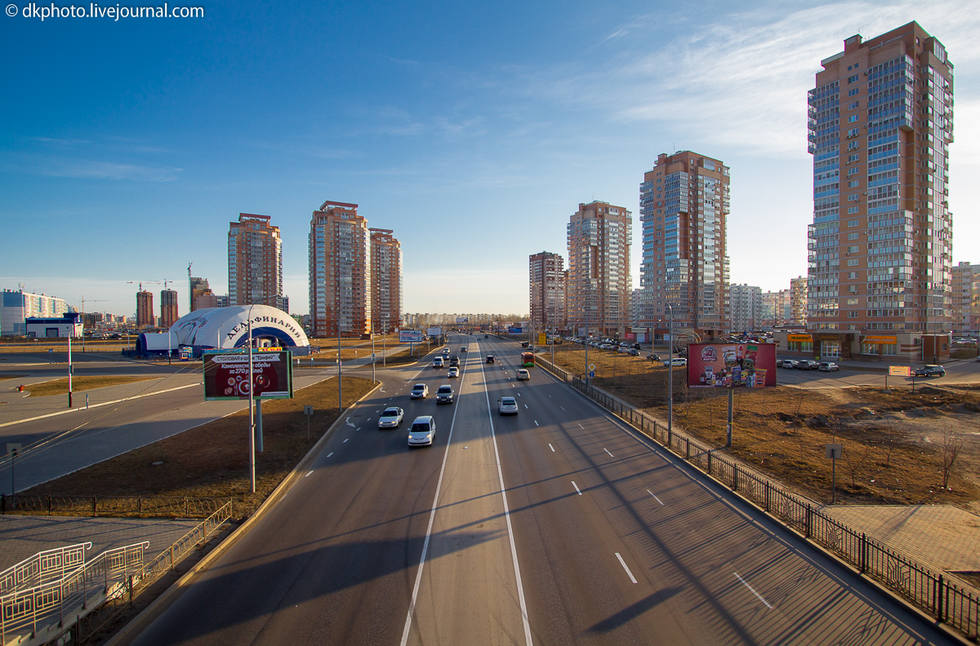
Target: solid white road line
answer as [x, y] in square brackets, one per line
[759, 596]
[579, 491]
[655, 497]
[330, 455]
[551, 447]
[536, 422]
[623, 563]
[308, 473]
[607, 452]
[346, 440]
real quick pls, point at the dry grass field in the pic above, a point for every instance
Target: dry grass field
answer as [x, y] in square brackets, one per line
[894, 442]
[60, 386]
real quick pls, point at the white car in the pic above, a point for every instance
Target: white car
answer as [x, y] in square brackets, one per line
[444, 395]
[454, 372]
[437, 362]
[677, 361]
[507, 405]
[419, 391]
[423, 431]
[827, 366]
[391, 417]
[523, 374]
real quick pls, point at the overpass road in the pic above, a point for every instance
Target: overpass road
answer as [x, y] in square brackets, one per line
[554, 526]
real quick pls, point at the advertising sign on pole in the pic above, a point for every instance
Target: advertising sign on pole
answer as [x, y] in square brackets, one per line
[731, 364]
[899, 371]
[226, 375]
[434, 331]
[410, 336]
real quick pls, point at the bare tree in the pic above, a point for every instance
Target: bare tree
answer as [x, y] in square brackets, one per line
[952, 444]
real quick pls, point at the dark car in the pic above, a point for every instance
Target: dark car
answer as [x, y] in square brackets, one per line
[806, 364]
[654, 357]
[524, 344]
[489, 358]
[930, 370]
[453, 361]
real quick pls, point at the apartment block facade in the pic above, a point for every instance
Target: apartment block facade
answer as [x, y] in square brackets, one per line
[16, 306]
[777, 308]
[168, 307]
[599, 283]
[879, 259]
[340, 271]
[144, 309]
[746, 308]
[254, 262]
[546, 274]
[966, 299]
[797, 300]
[684, 207]
[387, 303]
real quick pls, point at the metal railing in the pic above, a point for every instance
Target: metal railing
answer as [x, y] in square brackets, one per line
[43, 567]
[199, 535]
[952, 603]
[24, 610]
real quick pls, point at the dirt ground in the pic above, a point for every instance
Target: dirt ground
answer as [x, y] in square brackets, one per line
[894, 442]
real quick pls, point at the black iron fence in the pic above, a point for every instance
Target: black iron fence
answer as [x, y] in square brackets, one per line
[952, 603]
[116, 506]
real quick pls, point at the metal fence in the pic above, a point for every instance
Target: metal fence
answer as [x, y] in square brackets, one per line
[115, 506]
[952, 603]
[199, 535]
[23, 610]
[43, 567]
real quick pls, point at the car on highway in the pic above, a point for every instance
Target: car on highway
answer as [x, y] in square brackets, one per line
[462, 349]
[437, 362]
[930, 370]
[419, 391]
[507, 406]
[523, 374]
[391, 417]
[453, 372]
[444, 394]
[489, 358]
[422, 431]
[806, 364]
[676, 361]
[453, 361]
[827, 366]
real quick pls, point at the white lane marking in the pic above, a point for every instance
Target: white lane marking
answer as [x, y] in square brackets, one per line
[535, 421]
[80, 426]
[346, 440]
[518, 394]
[358, 428]
[75, 410]
[579, 491]
[655, 497]
[551, 447]
[752, 590]
[308, 474]
[330, 455]
[562, 407]
[525, 406]
[623, 563]
[581, 427]
[607, 452]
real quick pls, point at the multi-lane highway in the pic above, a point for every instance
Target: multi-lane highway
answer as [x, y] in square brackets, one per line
[554, 526]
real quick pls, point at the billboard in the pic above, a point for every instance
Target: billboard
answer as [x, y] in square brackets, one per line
[434, 331]
[462, 319]
[410, 336]
[226, 374]
[731, 364]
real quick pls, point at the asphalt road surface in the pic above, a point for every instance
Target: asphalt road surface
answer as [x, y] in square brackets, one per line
[554, 526]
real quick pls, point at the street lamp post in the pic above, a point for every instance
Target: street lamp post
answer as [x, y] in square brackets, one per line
[251, 401]
[69, 369]
[372, 355]
[169, 347]
[670, 373]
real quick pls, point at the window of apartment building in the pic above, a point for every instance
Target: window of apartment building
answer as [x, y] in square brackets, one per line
[854, 183]
[852, 223]
[852, 171]
[852, 119]
[853, 91]
[852, 262]
[853, 235]
[852, 145]
[853, 78]
[851, 210]
[852, 197]
[853, 106]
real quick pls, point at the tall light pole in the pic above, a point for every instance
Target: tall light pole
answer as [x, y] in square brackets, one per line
[251, 400]
[670, 372]
[69, 367]
[169, 346]
[372, 353]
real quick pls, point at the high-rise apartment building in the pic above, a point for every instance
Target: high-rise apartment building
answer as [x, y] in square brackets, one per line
[386, 281]
[200, 289]
[797, 300]
[168, 307]
[880, 125]
[599, 281]
[966, 299]
[684, 206]
[746, 307]
[254, 261]
[546, 274]
[144, 308]
[17, 306]
[340, 271]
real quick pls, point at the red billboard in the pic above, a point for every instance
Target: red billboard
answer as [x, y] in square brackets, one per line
[752, 365]
[226, 375]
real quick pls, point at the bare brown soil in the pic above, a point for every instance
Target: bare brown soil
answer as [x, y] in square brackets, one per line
[893, 441]
[211, 461]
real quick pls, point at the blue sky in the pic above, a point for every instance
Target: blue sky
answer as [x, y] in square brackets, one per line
[472, 130]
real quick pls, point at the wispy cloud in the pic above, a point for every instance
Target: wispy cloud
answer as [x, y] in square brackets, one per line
[92, 169]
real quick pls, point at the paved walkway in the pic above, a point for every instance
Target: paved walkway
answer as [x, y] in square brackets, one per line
[25, 536]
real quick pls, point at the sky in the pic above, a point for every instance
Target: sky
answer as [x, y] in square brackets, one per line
[472, 130]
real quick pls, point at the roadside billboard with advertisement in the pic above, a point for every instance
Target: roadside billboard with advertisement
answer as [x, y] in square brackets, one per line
[434, 331]
[727, 364]
[410, 336]
[462, 319]
[226, 374]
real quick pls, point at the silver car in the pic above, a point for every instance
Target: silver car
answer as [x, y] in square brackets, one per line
[391, 417]
[507, 405]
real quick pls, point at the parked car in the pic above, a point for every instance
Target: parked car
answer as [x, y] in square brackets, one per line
[523, 374]
[422, 431]
[507, 405]
[930, 370]
[444, 395]
[806, 364]
[827, 366]
[390, 417]
[676, 361]
[633, 352]
[453, 372]
[787, 363]
[489, 358]
[419, 391]
[654, 357]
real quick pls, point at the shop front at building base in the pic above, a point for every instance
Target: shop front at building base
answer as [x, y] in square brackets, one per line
[907, 346]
